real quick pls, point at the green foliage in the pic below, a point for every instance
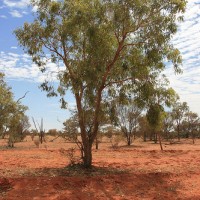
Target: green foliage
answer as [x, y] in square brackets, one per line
[71, 129]
[155, 115]
[179, 110]
[86, 36]
[13, 120]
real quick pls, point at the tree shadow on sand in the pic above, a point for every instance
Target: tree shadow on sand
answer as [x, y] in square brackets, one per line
[75, 182]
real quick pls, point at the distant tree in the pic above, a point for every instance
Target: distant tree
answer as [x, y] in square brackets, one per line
[53, 132]
[7, 105]
[178, 113]
[23, 126]
[110, 131]
[144, 127]
[18, 125]
[13, 120]
[161, 95]
[103, 45]
[191, 124]
[127, 119]
[168, 125]
[155, 117]
[33, 133]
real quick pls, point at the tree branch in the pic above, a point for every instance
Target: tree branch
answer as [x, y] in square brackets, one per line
[119, 81]
[133, 44]
[22, 97]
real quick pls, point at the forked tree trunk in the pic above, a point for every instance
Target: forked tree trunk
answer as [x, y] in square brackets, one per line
[87, 142]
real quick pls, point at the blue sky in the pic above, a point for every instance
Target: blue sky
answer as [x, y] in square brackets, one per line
[24, 76]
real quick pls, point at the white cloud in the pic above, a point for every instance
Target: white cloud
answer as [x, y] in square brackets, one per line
[3, 16]
[16, 66]
[13, 47]
[16, 13]
[17, 8]
[16, 4]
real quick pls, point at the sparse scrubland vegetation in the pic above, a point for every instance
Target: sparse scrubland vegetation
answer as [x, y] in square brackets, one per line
[112, 55]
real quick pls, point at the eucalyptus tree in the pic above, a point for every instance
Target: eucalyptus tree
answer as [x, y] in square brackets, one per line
[23, 126]
[144, 127]
[161, 96]
[6, 105]
[18, 124]
[101, 45]
[191, 124]
[127, 119]
[12, 114]
[178, 113]
[155, 117]
[168, 124]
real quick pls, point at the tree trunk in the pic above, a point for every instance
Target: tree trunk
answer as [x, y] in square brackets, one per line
[193, 138]
[151, 136]
[144, 137]
[178, 130]
[41, 137]
[134, 134]
[87, 155]
[128, 139]
[167, 136]
[97, 143]
[160, 142]
[155, 138]
[87, 142]
[3, 135]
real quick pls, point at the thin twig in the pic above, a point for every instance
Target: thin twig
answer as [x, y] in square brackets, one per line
[22, 97]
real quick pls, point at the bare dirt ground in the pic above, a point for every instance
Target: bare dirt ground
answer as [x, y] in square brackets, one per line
[139, 172]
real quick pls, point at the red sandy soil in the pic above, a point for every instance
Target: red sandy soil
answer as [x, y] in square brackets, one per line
[139, 172]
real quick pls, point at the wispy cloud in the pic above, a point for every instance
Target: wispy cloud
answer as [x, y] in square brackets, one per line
[3, 16]
[16, 13]
[13, 47]
[16, 4]
[187, 41]
[20, 67]
[17, 8]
